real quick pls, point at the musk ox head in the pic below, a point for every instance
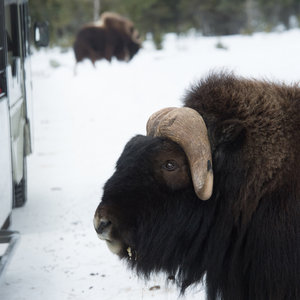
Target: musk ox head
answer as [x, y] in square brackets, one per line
[120, 26]
[150, 210]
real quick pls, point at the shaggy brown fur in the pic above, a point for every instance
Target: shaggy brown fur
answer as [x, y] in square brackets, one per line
[270, 115]
[115, 21]
[114, 36]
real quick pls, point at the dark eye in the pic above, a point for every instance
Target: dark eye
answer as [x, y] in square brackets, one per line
[170, 165]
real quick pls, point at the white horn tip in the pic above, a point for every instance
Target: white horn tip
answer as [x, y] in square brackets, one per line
[205, 192]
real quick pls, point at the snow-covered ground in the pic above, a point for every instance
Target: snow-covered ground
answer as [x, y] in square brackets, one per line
[81, 124]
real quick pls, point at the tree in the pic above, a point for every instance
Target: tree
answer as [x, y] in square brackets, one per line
[96, 10]
[210, 17]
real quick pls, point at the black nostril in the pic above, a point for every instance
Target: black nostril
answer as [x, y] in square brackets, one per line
[102, 226]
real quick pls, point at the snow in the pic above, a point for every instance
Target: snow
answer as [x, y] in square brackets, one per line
[3, 248]
[81, 124]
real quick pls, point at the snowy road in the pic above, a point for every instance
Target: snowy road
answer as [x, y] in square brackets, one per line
[81, 124]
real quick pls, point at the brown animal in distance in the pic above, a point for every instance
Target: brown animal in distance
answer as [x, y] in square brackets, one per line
[112, 36]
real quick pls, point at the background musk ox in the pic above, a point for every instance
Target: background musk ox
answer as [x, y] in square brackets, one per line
[242, 156]
[113, 36]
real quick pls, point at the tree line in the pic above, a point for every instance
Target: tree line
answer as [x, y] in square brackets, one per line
[208, 17]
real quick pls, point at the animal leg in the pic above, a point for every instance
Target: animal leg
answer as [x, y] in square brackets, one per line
[109, 50]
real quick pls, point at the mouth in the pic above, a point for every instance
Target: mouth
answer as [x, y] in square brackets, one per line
[114, 246]
[104, 229]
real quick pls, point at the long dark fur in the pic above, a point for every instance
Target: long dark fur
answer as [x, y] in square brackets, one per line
[246, 237]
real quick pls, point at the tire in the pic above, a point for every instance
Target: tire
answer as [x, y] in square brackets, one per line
[20, 189]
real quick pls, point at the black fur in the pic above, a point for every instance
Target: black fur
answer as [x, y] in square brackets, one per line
[244, 240]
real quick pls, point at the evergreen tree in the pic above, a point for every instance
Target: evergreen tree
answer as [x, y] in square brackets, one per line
[210, 17]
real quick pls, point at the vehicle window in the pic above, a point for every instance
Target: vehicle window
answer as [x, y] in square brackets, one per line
[12, 37]
[25, 25]
[2, 52]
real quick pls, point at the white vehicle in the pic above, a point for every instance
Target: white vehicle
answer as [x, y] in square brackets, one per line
[15, 113]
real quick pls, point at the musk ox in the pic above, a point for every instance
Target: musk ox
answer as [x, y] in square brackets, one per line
[113, 36]
[213, 192]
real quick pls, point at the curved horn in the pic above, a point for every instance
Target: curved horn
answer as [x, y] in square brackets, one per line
[186, 127]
